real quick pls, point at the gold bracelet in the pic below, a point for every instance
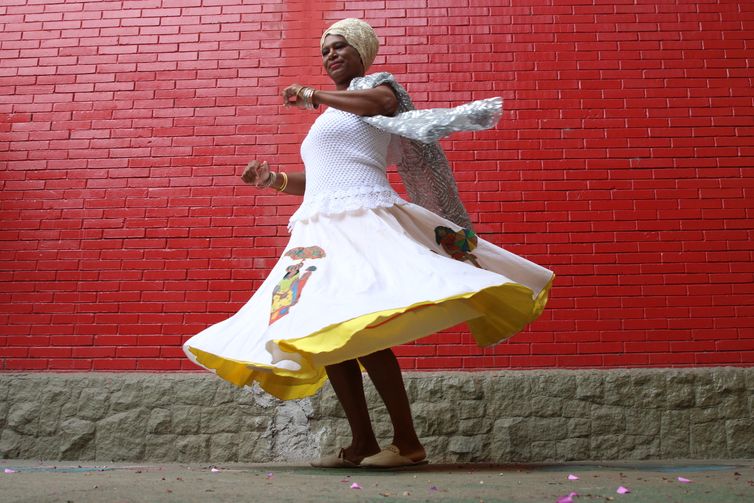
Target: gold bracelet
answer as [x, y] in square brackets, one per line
[285, 182]
[306, 94]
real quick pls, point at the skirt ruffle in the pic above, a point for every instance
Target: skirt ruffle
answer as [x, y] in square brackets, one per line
[365, 280]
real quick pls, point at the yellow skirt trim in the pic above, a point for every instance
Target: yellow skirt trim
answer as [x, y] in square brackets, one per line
[493, 314]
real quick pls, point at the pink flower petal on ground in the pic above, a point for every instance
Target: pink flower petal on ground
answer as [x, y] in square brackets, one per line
[683, 480]
[8, 470]
[573, 477]
[268, 476]
[567, 499]
[355, 486]
[623, 490]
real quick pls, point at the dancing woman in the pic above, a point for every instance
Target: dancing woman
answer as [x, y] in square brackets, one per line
[365, 270]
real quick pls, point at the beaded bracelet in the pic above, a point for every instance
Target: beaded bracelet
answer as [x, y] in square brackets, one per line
[270, 180]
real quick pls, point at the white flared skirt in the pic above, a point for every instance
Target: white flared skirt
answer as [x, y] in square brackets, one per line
[365, 280]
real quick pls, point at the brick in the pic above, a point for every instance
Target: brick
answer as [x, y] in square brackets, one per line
[93, 352]
[138, 352]
[719, 358]
[25, 364]
[439, 363]
[580, 361]
[69, 364]
[114, 364]
[49, 352]
[159, 364]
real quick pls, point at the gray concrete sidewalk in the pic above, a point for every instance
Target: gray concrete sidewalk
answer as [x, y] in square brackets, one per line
[651, 481]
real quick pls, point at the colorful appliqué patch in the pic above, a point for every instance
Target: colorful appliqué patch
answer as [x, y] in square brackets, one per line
[458, 244]
[287, 292]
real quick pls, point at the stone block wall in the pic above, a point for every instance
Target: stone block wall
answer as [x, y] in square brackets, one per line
[497, 417]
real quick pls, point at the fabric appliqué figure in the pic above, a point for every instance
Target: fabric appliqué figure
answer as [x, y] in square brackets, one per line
[458, 244]
[287, 292]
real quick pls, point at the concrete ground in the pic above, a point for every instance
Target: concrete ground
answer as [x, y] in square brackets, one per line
[650, 481]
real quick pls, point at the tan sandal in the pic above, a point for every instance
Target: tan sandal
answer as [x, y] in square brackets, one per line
[335, 461]
[390, 457]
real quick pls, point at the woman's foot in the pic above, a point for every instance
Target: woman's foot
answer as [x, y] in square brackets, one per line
[357, 454]
[338, 460]
[349, 457]
[412, 450]
[392, 457]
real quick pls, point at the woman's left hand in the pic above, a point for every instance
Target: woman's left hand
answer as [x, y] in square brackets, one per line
[291, 96]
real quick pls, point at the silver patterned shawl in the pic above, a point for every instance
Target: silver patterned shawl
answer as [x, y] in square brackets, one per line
[423, 166]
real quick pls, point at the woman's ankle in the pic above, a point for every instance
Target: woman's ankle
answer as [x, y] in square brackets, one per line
[411, 448]
[357, 452]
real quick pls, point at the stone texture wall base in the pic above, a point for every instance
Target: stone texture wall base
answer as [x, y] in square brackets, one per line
[496, 417]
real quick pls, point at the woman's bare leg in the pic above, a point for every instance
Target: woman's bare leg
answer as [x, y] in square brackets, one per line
[385, 373]
[349, 388]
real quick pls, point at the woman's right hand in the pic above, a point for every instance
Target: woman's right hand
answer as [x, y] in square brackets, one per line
[256, 174]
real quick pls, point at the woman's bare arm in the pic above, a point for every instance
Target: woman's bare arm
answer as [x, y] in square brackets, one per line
[380, 100]
[368, 102]
[296, 183]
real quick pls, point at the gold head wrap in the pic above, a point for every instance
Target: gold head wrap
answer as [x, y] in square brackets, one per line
[359, 35]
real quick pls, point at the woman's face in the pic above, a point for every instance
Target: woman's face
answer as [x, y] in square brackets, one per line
[341, 61]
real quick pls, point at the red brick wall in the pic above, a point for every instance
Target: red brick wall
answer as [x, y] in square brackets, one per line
[623, 162]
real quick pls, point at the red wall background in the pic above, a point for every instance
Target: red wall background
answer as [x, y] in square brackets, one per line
[623, 162]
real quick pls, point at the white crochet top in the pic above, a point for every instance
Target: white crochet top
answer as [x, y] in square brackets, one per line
[345, 161]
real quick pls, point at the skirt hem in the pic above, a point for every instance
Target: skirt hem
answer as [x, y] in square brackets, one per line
[493, 314]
